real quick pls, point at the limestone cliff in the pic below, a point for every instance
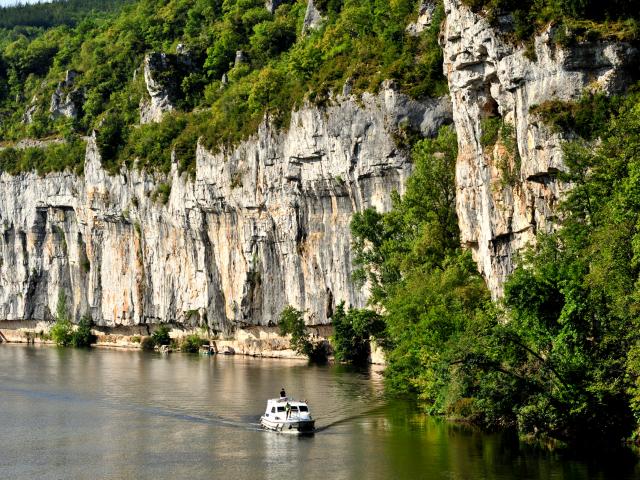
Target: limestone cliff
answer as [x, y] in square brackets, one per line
[259, 227]
[504, 199]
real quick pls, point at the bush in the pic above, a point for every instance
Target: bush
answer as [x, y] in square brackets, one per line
[53, 158]
[587, 117]
[83, 337]
[147, 343]
[162, 193]
[161, 336]
[192, 343]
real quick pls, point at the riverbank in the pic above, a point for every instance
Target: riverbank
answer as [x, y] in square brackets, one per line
[255, 341]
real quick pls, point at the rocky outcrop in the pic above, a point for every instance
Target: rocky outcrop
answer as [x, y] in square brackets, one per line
[261, 226]
[241, 58]
[425, 16]
[312, 18]
[67, 101]
[31, 111]
[272, 5]
[490, 77]
[162, 86]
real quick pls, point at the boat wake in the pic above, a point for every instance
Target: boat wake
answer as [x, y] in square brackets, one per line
[350, 418]
[247, 423]
[155, 410]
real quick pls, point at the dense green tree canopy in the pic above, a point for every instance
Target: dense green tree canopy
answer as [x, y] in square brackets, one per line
[560, 356]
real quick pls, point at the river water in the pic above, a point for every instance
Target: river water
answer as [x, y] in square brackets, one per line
[68, 413]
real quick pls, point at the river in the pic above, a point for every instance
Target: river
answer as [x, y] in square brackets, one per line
[91, 414]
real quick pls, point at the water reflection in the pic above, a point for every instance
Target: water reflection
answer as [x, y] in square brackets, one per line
[109, 414]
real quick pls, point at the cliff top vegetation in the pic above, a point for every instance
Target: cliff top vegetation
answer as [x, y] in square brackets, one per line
[58, 12]
[577, 20]
[217, 97]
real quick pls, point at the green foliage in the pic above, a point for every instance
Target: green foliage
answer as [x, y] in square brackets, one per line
[58, 12]
[192, 343]
[490, 128]
[62, 330]
[580, 19]
[161, 336]
[361, 42]
[353, 331]
[54, 157]
[428, 288]
[421, 231]
[161, 193]
[560, 358]
[291, 322]
[82, 336]
[565, 364]
[147, 343]
[507, 159]
[587, 117]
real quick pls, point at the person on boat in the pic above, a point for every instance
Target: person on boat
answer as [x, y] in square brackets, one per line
[288, 410]
[283, 394]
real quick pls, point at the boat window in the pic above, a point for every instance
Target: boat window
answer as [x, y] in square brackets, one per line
[273, 409]
[304, 408]
[281, 409]
[294, 409]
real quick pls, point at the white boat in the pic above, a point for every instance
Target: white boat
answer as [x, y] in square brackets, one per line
[287, 415]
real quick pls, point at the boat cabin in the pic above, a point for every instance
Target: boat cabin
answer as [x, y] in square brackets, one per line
[282, 409]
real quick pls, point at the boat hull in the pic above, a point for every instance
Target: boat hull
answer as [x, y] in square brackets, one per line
[289, 426]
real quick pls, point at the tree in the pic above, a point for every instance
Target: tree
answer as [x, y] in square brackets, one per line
[83, 337]
[353, 331]
[62, 330]
[291, 322]
[564, 364]
[161, 336]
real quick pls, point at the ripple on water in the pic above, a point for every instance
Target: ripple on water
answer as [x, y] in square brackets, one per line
[111, 414]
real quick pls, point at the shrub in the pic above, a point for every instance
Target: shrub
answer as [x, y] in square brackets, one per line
[147, 343]
[192, 343]
[83, 337]
[52, 158]
[161, 336]
[586, 117]
[490, 131]
[162, 193]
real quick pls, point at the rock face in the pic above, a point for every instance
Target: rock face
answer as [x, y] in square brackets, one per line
[490, 77]
[425, 16]
[259, 227]
[312, 18]
[161, 86]
[272, 5]
[30, 111]
[67, 101]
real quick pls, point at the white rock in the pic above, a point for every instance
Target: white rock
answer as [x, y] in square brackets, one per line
[261, 226]
[486, 74]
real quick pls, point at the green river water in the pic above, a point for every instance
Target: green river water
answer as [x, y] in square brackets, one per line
[97, 414]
